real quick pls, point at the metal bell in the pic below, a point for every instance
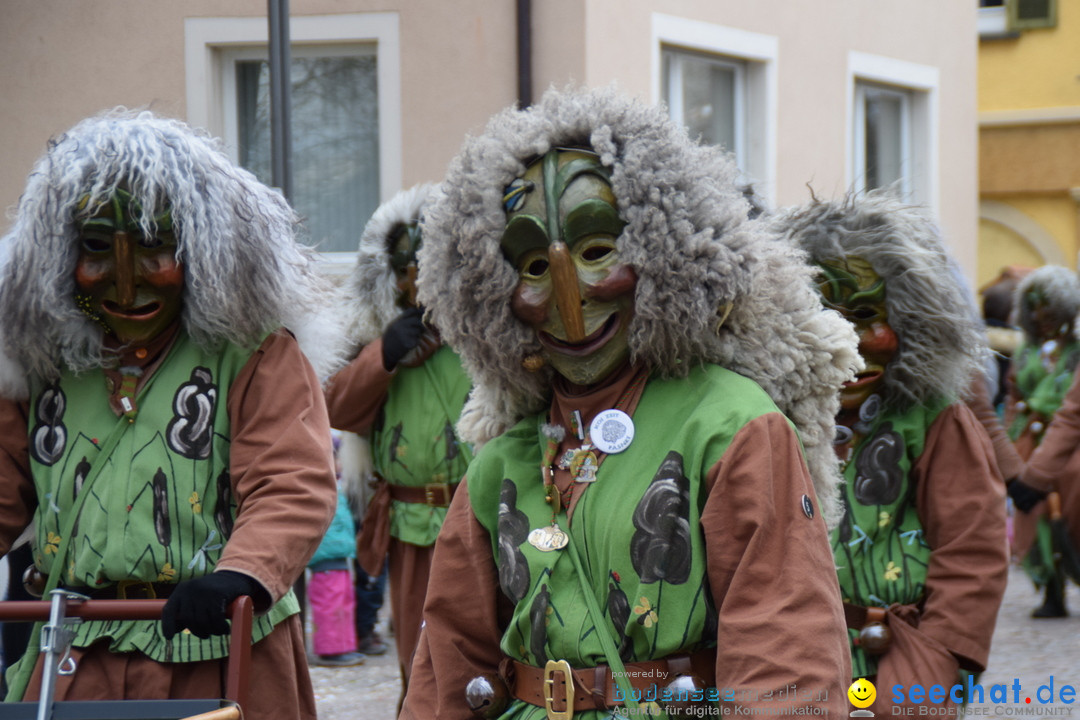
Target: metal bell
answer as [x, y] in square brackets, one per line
[875, 638]
[487, 695]
[685, 691]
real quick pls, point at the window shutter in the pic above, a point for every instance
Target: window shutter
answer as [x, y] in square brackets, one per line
[1028, 14]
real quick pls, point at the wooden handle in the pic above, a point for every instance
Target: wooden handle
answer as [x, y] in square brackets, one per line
[229, 713]
[1053, 506]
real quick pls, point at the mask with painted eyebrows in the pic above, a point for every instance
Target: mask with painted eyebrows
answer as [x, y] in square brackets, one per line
[573, 291]
[856, 291]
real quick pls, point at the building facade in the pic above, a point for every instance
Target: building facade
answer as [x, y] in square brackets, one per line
[825, 96]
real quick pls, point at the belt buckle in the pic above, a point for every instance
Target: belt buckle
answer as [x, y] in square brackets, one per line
[552, 667]
[123, 585]
[429, 494]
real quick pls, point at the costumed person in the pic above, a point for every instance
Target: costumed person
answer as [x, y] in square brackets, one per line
[920, 550]
[404, 390]
[640, 526]
[330, 591]
[160, 424]
[1047, 302]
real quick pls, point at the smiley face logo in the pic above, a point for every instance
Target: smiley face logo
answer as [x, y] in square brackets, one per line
[862, 693]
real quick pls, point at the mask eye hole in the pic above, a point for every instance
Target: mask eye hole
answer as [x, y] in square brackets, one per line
[151, 243]
[596, 252]
[534, 265]
[595, 249]
[96, 244]
[864, 312]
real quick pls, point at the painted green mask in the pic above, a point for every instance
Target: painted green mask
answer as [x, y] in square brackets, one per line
[129, 281]
[856, 291]
[404, 242]
[561, 228]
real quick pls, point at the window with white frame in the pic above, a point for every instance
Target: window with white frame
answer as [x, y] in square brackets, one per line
[721, 83]
[705, 93]
[883, 137]
[892, 127]
[335, 133]
[346, 105]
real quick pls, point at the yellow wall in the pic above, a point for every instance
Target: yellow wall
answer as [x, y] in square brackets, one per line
[1029, 145]
[1036, 70]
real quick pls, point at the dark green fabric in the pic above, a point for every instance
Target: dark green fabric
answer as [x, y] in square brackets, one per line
[880, 547]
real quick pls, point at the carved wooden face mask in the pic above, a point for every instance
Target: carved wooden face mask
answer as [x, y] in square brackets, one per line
[404, 243]
[129, 281]
[562, 224]
[852, 288]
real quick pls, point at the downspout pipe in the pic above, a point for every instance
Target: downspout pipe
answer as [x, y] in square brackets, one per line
[280, 98]
[524, 52]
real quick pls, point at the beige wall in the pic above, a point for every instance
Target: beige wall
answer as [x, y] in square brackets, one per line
[64, 60]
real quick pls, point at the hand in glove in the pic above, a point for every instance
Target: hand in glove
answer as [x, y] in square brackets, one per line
[202, 604]
[401, 336]
[1024, 496]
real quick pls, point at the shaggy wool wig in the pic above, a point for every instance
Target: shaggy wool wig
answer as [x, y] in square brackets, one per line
[1060, 289]
[370, 291]
[686, 236]
[942, 343]
[244, 272]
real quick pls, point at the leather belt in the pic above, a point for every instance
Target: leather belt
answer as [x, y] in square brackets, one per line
[593, 687]
[433, 494]
[857, 617]
[128, 590]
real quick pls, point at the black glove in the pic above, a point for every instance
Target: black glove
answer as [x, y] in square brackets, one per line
[401, 336]
[202, 604]
[1024, 496]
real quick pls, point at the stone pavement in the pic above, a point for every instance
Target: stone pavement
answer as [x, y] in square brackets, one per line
[1024, 649]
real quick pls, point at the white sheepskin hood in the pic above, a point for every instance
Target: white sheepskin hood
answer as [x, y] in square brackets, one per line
[1061, 288]
[688, 239]
[245, 273]
[370, 291]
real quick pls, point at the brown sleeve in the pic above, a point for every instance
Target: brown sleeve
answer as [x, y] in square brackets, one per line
[463, 616]
[1046, 465]
[357, 392]
[17, 497]
[780, 619]
[281, 464]
[1008, 461]
[961, 501]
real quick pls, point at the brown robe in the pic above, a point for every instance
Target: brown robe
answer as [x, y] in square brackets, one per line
[770, 570]
[281, 466]
[1055, 464]
[981, 403]
[960, 500]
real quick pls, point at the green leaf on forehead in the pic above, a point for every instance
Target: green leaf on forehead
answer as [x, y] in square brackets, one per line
[580, 166]
[592, 217]
[841, 287]
[127, 214]
[523, 233]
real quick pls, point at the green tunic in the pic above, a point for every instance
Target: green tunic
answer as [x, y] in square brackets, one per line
[1042, 390]
[414, 443]
[637, 530]
[162, 508]
[880, 546]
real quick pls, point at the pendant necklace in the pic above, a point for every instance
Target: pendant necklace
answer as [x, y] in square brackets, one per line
[610, 432]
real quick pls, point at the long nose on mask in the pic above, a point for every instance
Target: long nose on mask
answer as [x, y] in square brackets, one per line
[567, 294]
[125, 269]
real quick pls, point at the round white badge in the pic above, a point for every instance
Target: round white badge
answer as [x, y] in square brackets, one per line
[611, 431]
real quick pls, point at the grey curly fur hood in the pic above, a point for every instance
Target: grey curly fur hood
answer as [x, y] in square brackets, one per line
[1061, 288]
[942, 343]
[245, 274]
[689, 241]
[370, 292]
